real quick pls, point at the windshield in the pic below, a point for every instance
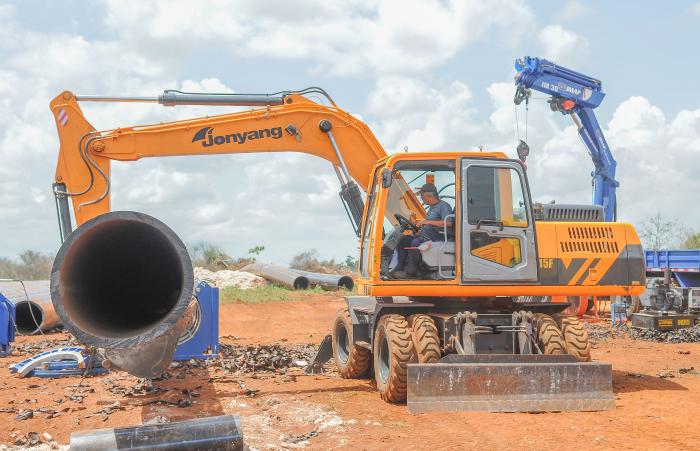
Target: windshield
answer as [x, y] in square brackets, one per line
[408, 177]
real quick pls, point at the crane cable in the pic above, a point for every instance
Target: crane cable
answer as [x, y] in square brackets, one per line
[523, 149]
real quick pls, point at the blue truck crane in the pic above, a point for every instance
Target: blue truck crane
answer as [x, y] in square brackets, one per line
[576, 95]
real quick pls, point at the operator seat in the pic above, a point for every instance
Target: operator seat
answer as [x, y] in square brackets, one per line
[440, 255]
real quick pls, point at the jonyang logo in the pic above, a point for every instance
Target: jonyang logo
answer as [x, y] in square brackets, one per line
[207, 137]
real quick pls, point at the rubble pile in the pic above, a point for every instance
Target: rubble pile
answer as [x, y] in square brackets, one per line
[687, 335]
[35, 347]
[597, 333]
[227, 278]
[273, 358]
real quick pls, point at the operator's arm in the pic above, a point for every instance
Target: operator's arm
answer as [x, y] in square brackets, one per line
[437, 216]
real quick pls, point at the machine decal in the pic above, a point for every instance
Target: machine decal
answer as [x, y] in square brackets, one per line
[206, 136]
[62, 117]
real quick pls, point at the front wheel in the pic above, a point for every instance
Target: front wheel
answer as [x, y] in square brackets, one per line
[352, 361]
[393, 351]
[576, 338]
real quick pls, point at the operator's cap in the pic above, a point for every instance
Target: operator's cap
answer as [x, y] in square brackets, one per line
[428, 188]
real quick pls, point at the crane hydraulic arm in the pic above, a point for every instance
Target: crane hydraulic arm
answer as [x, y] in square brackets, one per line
[285, 122]
[577, 95]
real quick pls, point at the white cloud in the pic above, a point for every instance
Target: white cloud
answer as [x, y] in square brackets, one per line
[422, 117]
[386, 36]
[562, 46]
[573, 9]
[695, 8]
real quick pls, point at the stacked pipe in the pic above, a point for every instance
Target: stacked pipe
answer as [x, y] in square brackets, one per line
[279, 275]
[296, 279]
[34, 311]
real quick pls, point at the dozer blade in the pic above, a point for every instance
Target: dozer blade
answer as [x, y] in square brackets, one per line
[509, 383]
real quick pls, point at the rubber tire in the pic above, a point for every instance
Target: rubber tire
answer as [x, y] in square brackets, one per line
[425, 338]
[395, 331]
[576, 337]
[549, 337]
[357, 362]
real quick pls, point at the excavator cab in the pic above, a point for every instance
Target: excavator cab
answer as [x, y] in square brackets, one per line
[489, 235]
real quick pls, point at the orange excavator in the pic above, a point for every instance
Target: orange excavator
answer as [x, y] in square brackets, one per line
[461, 334]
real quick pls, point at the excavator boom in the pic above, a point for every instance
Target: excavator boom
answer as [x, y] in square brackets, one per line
[287, 122]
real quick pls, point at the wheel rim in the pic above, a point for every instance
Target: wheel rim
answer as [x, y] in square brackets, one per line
[384, 360]
[342, 343]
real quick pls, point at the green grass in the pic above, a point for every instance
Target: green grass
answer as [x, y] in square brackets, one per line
[264, 293]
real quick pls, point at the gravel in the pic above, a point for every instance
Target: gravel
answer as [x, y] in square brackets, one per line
[270, 358]
[597, 332]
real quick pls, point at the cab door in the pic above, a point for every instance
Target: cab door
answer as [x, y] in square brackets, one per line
[498, 243]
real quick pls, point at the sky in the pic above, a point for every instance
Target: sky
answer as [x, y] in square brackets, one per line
[427, 75]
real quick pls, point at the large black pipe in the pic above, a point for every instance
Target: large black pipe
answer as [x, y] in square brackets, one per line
[123, 282]
[212, 433]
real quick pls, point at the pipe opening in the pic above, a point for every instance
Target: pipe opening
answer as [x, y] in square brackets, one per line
[24, 321]
[301, 283]
[346, 282]
[121, 278]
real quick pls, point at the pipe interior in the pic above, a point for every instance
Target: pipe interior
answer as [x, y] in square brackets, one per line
[121, 278]
[346, 282]
[24, 321]
[301, 283]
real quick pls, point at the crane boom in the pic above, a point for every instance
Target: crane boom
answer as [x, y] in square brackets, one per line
[577, 95]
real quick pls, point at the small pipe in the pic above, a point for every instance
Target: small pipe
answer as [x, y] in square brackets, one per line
[34, 311]
[278, 275]
[220, 432]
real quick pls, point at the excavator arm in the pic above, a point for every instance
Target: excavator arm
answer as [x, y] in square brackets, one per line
[287, 122]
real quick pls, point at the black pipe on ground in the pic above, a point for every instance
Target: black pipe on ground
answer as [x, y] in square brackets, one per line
[123, 281]
[220, 432]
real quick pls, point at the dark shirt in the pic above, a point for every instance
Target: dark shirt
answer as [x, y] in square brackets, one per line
[437, 212]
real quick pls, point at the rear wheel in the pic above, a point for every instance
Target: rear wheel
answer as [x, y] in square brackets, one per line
[393, 351]
[425, 338]
[576, 338]
[549, 337]
[352, 361]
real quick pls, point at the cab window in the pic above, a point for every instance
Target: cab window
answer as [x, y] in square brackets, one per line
[496, 195]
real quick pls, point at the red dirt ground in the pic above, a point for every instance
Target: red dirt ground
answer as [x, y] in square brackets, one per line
[325, 411]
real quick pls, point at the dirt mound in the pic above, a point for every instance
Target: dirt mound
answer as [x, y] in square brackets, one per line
[227, 278]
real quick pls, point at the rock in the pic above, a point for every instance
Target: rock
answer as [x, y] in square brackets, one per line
[24, 414]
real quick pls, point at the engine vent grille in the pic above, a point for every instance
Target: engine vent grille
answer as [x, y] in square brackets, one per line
[595, 239]
[567, 212]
